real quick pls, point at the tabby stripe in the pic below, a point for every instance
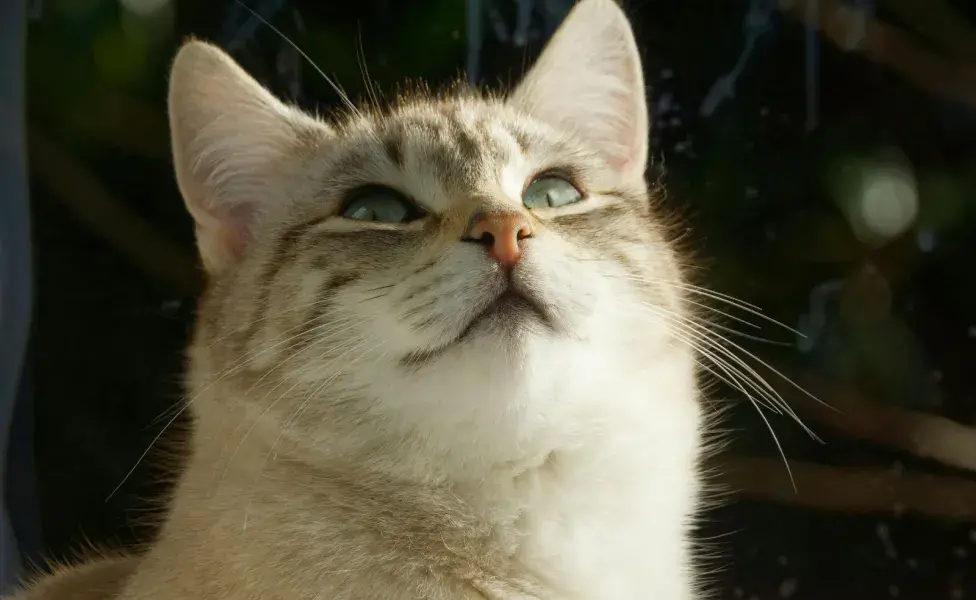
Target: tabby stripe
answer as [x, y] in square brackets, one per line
[281, 256]
[393, 144]
[424, 267]
[416, 291]
[322, 305]
[628, 265]
[499, 152]
[523, 139]
[425, 324]
[425, 287]
[467, 144]
[603, 211]
[419, 359]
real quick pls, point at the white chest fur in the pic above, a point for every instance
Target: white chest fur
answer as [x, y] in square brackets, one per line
[610, 518]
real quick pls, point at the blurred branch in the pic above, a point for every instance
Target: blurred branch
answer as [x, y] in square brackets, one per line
[890, 46]
[854, 491]
[75, 186]
[125, 122]
[938, 21]
[923, 435]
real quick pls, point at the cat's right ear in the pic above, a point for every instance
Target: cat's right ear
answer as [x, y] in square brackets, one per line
[589, 81]
[233, 141]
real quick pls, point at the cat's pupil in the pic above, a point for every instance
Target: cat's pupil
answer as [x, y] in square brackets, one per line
[550, 191]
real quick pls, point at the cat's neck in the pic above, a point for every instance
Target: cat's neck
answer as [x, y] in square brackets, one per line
[570, 497]
[632, 429]
[621, 427]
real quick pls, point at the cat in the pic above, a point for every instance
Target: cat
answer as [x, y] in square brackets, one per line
[441, 353]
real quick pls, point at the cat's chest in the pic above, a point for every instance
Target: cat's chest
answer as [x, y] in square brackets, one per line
[606, 540]
[586, 551]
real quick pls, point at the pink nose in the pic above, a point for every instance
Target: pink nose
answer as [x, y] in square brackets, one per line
[500, 234]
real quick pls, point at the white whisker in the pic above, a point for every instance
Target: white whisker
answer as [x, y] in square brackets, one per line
[183, 406]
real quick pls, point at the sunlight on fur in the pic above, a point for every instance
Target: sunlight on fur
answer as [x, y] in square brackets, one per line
[448, 347]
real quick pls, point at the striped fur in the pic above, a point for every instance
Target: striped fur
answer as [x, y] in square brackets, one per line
[360, 431]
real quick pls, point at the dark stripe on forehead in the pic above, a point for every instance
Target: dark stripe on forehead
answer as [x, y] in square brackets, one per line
[451, 149]
[466, 154]
[469, 148]
[422, 126]
[308, 139]
[445, 166]
[346, 167]
[499, 151]
[521, 137]
[393, 144]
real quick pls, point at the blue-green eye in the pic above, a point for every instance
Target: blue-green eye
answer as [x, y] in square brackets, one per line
[550, 190]
[382, 205]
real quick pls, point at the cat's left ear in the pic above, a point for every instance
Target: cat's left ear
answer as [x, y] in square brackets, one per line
[235, 149]
[588, 81]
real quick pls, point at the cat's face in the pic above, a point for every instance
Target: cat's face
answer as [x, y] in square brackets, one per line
[439, 268]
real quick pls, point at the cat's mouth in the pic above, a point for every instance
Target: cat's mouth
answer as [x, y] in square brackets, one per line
[510, 312]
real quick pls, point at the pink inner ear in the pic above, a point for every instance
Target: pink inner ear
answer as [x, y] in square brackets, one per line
[234, 241]
[625, 155]
[229, 233]
[237, 229]
[621, 164]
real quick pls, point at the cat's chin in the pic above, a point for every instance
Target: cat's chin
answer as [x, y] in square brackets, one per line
[511, 312]
[507, 320]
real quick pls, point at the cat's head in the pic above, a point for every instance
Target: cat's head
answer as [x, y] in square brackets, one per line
[454, 270]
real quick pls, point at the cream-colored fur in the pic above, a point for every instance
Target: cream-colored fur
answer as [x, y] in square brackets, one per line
[356, 437]
[95, 580]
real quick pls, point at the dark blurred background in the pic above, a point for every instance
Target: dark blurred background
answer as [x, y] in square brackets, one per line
[823, 152]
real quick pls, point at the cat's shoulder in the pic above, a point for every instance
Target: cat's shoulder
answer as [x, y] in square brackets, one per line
[99, 579]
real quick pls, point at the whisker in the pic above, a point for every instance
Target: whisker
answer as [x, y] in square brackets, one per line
[786, 379]
[719, 356]
[270, 406]
[738, 377]
[348, 325]
[317, 302]
[379, 287]
[338, 90]
[376, 297]
[735, 376]
[318, 342]
[183, 406]
[717, 296]
[361, 59]
[304, 402]
[770, 392]
[723, 313]
[742, 334]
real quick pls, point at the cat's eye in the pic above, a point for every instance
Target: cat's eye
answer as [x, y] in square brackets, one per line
[381, 205]
[550, 191]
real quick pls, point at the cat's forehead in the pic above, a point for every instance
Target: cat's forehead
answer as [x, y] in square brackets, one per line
[442, 152]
